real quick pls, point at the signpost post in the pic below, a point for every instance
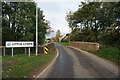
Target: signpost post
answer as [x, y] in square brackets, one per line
[14, 44]
[29, 51]
[12, 51]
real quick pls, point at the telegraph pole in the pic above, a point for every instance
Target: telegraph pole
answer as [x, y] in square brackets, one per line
[36, 29]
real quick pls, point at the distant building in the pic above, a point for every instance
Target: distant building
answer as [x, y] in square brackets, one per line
[55, 38]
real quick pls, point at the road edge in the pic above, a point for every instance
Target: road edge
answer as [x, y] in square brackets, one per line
[49, 64]
[112, 67]
[108, 61]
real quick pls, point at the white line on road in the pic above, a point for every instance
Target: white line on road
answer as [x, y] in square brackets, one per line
[39, 76]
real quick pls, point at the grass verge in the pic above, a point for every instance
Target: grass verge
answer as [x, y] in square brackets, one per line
[63, 43]
[111, 54]
[25, 65]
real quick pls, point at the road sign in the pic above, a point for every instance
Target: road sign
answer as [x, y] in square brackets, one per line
[46, 50]
[11, 44]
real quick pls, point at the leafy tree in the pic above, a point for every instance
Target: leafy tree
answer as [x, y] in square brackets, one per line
[99, 22]
[19, 22]
[58, 35]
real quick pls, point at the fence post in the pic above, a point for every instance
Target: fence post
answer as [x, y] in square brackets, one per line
[43, 49]
[25, 50]
[4, 51]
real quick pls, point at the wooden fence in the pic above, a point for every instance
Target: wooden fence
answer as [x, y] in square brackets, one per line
[25, 50]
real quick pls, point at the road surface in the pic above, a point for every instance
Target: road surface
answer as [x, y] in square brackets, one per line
[72, 63]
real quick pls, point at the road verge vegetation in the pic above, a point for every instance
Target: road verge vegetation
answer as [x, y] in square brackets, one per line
[63, 43]
[110, 53]
[21, 66]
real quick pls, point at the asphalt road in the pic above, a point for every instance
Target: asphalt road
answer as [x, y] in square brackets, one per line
[72, 63]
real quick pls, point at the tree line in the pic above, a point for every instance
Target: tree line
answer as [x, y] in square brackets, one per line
[19, 22]
[96, 22]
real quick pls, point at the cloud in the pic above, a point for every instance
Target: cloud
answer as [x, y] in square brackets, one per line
[55, 12]
[59, 0]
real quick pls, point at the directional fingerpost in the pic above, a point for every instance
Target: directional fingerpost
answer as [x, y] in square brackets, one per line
[46, 49]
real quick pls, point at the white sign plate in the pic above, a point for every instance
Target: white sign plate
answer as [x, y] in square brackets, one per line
[10, 44]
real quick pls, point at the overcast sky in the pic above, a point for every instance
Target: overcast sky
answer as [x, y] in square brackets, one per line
[55, 12]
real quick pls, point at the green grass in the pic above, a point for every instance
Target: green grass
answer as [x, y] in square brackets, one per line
[0, 59]
[25, 65]
[111, 54]
[63, 43]
[45, 42]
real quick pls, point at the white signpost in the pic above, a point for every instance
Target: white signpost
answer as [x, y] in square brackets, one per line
[14, 44]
